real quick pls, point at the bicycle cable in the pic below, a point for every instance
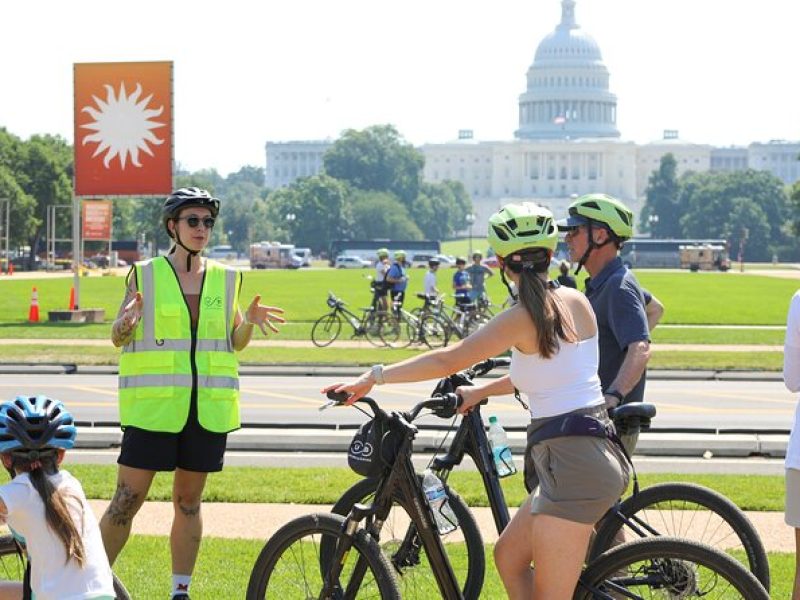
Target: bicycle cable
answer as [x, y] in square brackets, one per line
[444, 439]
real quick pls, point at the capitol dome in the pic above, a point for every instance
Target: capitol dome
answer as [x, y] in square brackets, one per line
[567, 95]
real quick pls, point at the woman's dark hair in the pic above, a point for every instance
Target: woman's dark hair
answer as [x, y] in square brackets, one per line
[543, 305]
[56, 511]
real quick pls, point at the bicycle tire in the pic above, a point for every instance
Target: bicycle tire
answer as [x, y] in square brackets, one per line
[374, 329]
[13, 563]
[413, 582]
[724, 522]
[673, 567]
[436, 333]
[326, 330]
[380, 579]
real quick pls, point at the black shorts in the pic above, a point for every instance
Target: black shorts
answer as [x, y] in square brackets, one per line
[192, 449]
[398, 296]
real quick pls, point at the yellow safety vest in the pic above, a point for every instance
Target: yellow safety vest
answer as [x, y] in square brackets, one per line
[164, 362]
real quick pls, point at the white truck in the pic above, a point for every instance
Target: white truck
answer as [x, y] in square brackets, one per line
[274, 255]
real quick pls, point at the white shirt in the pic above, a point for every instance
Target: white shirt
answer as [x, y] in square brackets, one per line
[52, 578]
[562, 383]
[430, 283]
[380, 270]
[791, 376]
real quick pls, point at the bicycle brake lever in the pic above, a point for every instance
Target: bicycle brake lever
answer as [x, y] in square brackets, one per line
[334, 399]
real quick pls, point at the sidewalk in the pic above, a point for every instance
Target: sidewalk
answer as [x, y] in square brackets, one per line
[225, 520]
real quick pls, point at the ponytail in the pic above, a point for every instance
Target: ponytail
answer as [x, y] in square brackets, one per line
[547, 311]
[56, 512]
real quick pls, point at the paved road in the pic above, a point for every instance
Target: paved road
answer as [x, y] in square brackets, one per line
[295, 400]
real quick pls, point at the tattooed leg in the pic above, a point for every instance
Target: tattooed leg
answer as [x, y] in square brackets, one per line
[187, 527]
[115, 526]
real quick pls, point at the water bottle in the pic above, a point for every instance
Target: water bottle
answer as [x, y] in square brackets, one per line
[501, 453]
[444, 516]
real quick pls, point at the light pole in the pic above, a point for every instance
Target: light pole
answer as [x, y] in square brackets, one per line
[470, 218]
[652, 222]
[290, 217]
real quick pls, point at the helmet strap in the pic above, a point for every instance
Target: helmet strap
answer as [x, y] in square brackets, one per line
[189, 253]
[591, 246]
[508, 286]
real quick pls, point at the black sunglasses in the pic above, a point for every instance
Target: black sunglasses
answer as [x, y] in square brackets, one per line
[194, 221]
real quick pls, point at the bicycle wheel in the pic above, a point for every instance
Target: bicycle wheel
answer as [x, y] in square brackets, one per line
[119, 590]
[435, 332]
[291, 565]
[688, 511]
[12, 562]
[475, 322]
[402, 545]
[326, 330]
[374, 328]
[668, 568]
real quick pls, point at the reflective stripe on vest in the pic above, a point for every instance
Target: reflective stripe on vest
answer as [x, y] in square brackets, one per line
[158, 369]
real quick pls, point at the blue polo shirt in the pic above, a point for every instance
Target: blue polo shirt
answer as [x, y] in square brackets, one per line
[618, 303]
[396, 271]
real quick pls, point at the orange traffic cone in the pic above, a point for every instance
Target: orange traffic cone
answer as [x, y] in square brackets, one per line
[10, 268]
[33, 312]
[72, 298]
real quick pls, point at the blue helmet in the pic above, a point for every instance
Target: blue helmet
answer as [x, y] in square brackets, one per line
[38, 423]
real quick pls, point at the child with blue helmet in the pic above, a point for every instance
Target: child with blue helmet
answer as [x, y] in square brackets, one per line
[46, 506]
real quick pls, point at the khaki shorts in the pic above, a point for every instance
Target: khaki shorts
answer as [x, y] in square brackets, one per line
[792, 511]
[577, 478]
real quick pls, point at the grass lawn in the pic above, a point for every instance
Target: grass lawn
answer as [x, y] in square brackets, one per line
[224, 565]
[333, 355]
[325, 485]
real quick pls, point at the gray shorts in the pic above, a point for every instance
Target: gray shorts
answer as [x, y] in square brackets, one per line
[577, 478]
[792, 512]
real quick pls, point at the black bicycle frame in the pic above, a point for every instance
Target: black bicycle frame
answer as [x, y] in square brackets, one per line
[470, 438]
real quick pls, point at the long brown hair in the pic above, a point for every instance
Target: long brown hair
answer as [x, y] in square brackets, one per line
[56, 512]
[548, 311]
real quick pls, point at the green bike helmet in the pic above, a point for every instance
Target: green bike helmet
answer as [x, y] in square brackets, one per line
[602, 209]
[383, 253]
[400, 254]
[516, 227]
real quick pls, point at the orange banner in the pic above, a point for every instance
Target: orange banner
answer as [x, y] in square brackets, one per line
[123, 129]
[97, 219]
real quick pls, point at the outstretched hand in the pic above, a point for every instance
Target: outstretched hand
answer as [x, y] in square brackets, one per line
[131, 315]
[264, 316]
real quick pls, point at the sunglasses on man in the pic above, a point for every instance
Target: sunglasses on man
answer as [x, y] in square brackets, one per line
[193, 221]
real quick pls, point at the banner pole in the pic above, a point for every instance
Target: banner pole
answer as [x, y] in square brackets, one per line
[76, 248]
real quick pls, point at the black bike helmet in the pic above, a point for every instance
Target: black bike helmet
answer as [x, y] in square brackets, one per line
[35, 423]
[186, 198]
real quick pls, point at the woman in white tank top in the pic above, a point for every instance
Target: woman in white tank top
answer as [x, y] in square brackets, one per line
[553, 336]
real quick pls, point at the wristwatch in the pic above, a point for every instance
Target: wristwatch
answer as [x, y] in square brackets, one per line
[377, 374]
[616, 393]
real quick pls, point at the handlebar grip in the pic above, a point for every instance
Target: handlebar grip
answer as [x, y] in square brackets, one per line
[337, 396]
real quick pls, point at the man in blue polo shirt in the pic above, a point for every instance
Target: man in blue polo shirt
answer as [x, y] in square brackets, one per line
[596, 228]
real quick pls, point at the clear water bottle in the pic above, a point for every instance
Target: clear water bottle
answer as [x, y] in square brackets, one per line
[501, 453]
[444, 516]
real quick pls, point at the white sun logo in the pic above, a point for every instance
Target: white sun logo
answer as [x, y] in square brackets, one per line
[122, 126]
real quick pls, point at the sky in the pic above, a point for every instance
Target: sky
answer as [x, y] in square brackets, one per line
[721, 72]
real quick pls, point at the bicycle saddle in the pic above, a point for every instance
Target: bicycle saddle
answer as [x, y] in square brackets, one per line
[642, 410]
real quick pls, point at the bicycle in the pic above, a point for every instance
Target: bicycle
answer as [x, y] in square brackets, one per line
[330, 568]
[650, 512]
[404, 328]
[328, 327]
[458, 321]
[14, 566]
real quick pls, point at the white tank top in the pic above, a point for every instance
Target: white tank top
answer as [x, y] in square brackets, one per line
[566, 382]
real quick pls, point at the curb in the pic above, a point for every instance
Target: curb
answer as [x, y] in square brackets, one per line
[312, 370]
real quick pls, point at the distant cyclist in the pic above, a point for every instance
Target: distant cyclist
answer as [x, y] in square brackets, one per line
[398, 279]
[478, 273]
[564, 278]
[380, 287]
[596, 228]
[461, 284]
[431, 290]
[46, 506]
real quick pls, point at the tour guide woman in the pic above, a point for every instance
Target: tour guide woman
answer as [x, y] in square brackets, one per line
[553, 336]
[179, 326]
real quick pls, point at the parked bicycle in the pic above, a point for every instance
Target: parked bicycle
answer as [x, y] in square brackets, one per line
[330, 556]
[328, 327]
[681, 510]
[14, 566]
[453, 322]
[404, 328]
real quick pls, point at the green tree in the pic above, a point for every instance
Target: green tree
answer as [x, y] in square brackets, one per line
[378, 159]
[749, 221]
[663, 201]
[319, 209]
[794, 202]
[381, 215]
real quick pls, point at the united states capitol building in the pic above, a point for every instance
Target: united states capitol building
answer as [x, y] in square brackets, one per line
[567, 141]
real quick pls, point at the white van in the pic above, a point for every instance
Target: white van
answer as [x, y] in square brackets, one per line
[223, 253]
